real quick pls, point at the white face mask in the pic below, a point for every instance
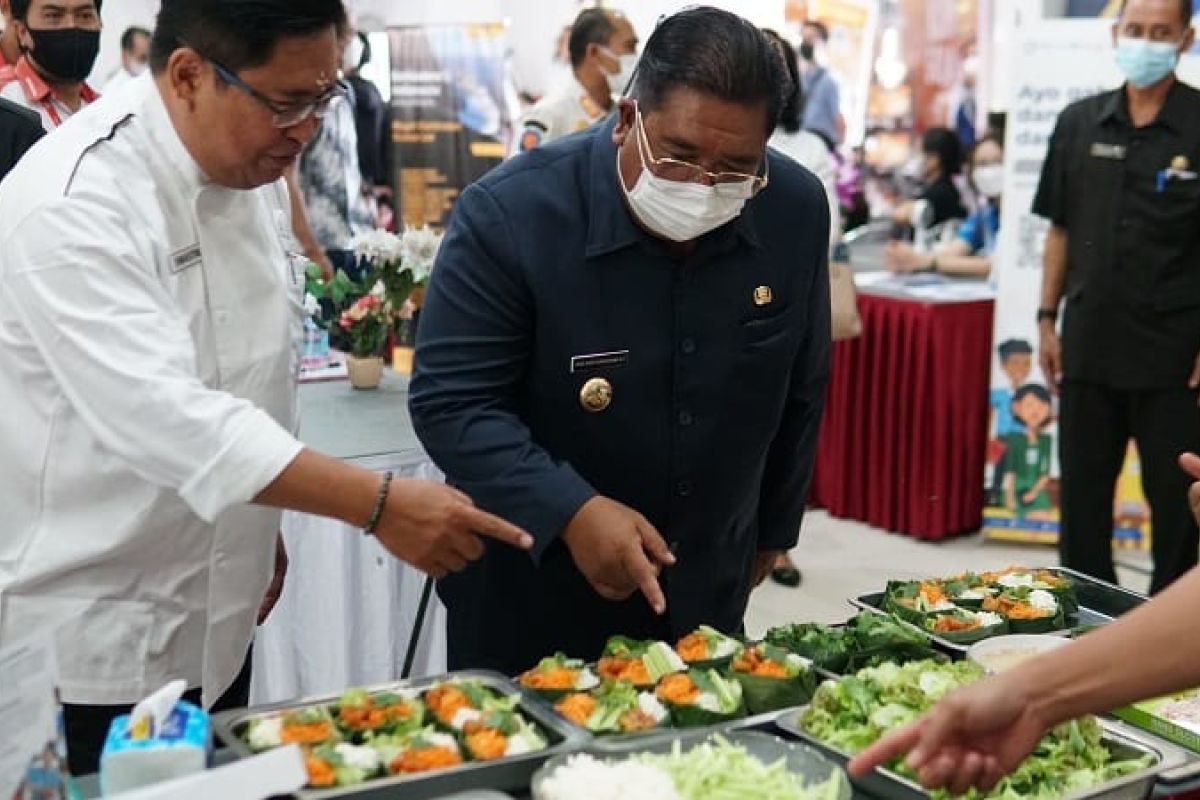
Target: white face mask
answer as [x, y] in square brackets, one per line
[618, 82]
[989, 180]
[138, 68]
[678, 211]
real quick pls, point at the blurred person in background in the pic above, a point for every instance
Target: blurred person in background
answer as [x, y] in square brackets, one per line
[372, 123]
[603, 52]
[823, 103]
[807, 149]
[60, 40]
[977, 735]
[10, 44]
[941, 161]
[1121, 189]
[135, 57]
[20, 129]
[969, 253]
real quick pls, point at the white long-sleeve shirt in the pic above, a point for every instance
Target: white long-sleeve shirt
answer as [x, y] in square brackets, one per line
[148, 323]
[810, 152]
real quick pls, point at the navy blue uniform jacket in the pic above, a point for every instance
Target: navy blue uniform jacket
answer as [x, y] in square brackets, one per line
[718, 381]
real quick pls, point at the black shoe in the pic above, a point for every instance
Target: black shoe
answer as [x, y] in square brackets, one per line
[786, 576]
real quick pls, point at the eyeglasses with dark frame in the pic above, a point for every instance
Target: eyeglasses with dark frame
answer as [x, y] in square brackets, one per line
[282, 116]
[740, 185]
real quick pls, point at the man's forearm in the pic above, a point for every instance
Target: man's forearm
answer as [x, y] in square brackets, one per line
[1103, 671]
[1054, 267]
[327, 487]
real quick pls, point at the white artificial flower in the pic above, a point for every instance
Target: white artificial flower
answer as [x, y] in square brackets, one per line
[419, 247]
[377, 247]
[311, 305]
[379, 290]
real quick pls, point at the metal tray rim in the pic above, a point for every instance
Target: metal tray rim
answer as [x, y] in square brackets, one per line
[1169, 757]
[572, 737]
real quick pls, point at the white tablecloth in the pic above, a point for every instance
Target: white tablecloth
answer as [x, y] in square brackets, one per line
[346, 611]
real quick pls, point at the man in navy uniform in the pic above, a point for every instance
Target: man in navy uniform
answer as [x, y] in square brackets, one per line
[624, 349]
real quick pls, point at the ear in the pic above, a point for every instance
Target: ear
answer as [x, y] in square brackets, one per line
[626, 120]
[1116, 32]
[186, 72]
[1189, 38]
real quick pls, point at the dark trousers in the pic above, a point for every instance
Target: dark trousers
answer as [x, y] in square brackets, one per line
[87, 726]
[1097, 423]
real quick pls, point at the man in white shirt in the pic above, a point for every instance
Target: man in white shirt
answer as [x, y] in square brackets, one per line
[603, 48]
[135, 57]
[150, 305]
[60, 40]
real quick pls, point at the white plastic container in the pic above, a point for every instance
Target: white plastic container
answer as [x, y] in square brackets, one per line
[1002, 653]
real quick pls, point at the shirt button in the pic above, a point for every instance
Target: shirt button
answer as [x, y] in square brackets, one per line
[685, 418]
[688, 346]
[684, 488]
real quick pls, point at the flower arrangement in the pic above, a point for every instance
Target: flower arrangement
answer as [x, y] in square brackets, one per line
[366, 325]
[400, 264]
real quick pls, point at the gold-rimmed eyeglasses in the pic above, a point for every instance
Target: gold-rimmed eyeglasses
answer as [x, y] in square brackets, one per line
[739, 185]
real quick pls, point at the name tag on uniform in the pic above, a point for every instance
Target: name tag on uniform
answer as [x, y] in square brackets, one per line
[186, 258]
[1114, 152]
[595, 361]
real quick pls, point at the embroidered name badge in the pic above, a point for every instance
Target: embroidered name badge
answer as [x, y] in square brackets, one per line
[186, 258]
[595, 361]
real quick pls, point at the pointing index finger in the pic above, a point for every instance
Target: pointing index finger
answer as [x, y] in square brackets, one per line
[490, 525]
[892, 746]
[645, 575]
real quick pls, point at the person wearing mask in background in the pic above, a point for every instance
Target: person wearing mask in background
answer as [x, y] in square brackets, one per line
[941, 161]
[810, 152]
[20, 129]
[10, 44]
[603, 49]
[1121, 189]
[60, 40]
[135, 57]
[372, 122]
[969, 253]
[977, 735]
[148, 335]
[823, 99]
[591, 305]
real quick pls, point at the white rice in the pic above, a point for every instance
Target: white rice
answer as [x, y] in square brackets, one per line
[585, 778]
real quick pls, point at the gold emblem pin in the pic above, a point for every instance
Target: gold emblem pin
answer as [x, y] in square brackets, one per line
[596, 395]
[1180, 163]
[763, 296]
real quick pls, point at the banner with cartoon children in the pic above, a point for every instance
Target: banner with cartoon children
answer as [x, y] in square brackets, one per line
[1059, 61]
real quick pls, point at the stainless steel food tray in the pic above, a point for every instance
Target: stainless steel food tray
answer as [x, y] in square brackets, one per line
[1099, 603]
[506, 774]
[1122, 739]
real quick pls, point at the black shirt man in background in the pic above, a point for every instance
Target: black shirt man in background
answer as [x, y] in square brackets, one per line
[20, 129]
[1121, 189]
[625, 348]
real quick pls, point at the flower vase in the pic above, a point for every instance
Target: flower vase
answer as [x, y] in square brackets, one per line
[365, 373]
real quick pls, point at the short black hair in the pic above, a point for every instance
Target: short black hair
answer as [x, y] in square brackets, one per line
[1034, 390]
[944, 144]
[1185, 10]
[241, 34]
[20, 8]
[820, 27]
[131, 33]
[592, 26]
[791, 117]
[1014, 347]
[713, 52]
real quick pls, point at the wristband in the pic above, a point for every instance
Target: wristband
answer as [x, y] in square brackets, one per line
[380, 500]
[1047, 315]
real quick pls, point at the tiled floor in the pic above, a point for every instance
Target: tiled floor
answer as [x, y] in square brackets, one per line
[843, 559]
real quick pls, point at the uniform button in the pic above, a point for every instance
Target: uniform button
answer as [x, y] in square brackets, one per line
[1125, 223]
[685, 418]
[684, 488]
[688, 346]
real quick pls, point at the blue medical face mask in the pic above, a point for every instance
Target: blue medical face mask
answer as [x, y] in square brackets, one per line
[1145, 63]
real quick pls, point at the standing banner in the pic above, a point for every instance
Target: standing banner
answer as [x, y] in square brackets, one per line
[1058, 62]
[450, 121]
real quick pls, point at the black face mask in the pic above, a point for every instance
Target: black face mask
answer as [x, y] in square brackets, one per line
[65, 53]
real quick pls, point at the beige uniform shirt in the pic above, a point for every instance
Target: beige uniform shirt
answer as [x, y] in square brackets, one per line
[558, 114]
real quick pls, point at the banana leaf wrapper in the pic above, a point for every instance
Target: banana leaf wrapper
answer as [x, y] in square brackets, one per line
[762, 694]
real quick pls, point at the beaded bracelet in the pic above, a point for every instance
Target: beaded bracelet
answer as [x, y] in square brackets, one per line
[380, 499]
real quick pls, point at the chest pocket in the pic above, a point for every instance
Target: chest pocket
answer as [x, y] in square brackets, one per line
[768, 333]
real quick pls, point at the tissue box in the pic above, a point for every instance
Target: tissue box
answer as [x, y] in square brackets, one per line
[182, 747]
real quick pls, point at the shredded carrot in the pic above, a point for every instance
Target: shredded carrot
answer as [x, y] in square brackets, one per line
[1015, 609]
[631, 670]
[751, 661]
[637, 720]
[693, 647]
[310, 733]
[366, 717]
[446, 701]
[952, 624]
[319, 772]
[577, 707]
[488, 744]
[555, 678]
[426, 760]
[399, 712]
[678, 689]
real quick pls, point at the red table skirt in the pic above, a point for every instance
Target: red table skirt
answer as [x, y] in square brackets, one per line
[903, 442]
